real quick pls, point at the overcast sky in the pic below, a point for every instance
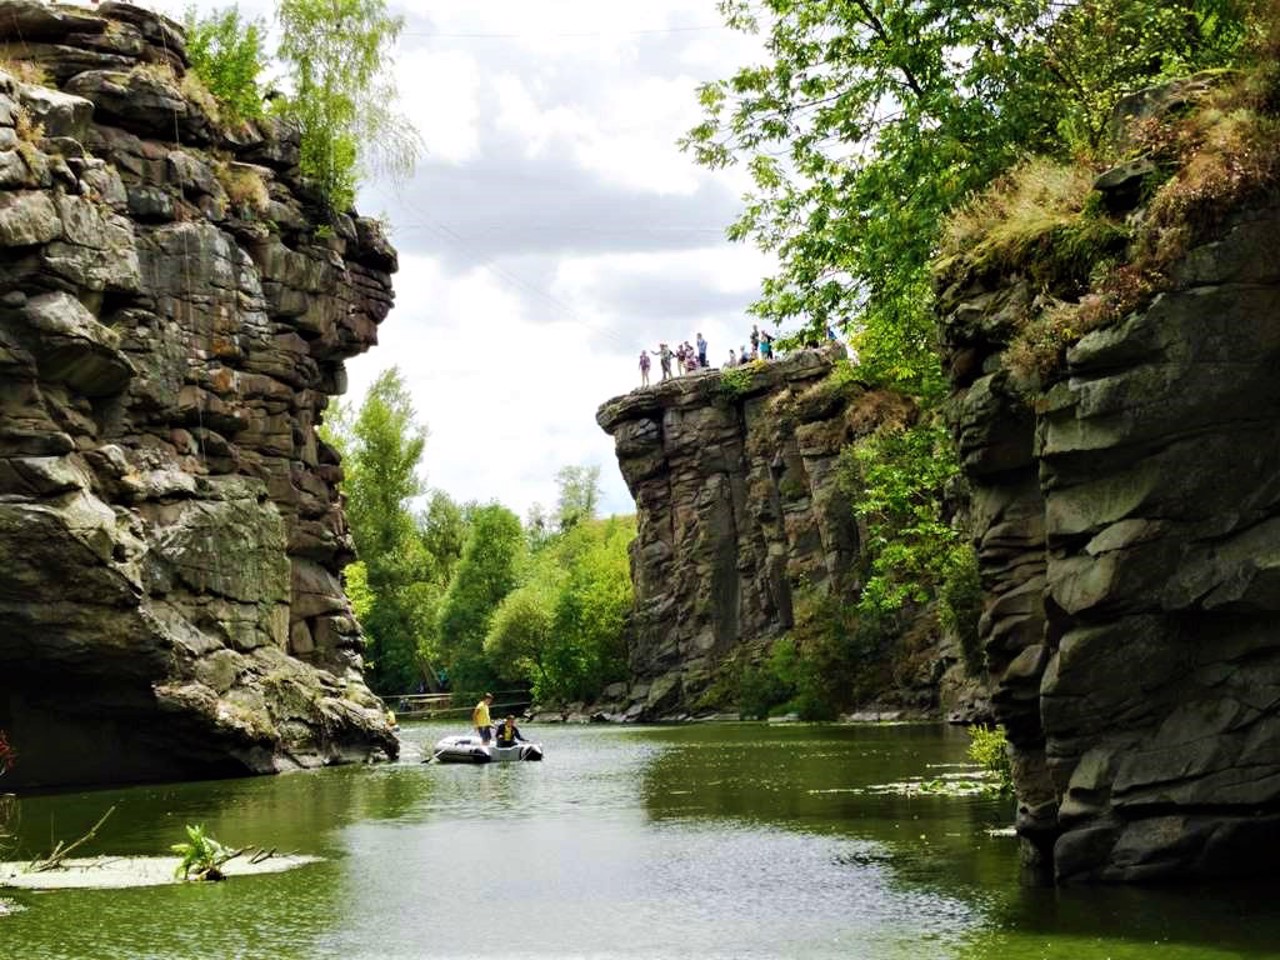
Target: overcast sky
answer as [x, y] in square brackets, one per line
[553, 228]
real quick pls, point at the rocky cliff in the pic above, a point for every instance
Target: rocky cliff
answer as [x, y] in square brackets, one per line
[1127, 513]
[175, 309]
[741, 518]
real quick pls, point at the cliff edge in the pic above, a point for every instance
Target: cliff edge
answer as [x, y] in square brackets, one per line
[745, 530]
[175, 309]
[1126, 509]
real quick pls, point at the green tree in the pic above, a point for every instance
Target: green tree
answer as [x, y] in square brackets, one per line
[562, 630]
[897, 479]
[522, 631]
[444, 529]
[485, 574]
[579, 495]
[228, 53]
[383, 448]
[874, 118]
[337, 56]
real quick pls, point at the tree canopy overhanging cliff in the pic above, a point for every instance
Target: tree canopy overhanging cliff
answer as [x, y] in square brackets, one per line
[336, 59]
[871, 121]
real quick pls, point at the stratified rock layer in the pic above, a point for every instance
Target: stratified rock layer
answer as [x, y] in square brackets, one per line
[740, 515]
[1128, 522]
[172, 325]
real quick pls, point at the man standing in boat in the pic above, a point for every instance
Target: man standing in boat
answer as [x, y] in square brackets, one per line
[480, 718]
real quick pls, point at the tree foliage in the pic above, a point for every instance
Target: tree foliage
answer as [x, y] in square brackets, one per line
[383, 446]
[228, 53]
[897, 478]
[336, 55]
[562, 629]
[873, 118]
[486, 572]
[579, 495]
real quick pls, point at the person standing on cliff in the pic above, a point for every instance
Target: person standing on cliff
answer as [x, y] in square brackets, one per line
[766, 345]
[664, 360]
[480, 718]
[702, 352]
[645, 363]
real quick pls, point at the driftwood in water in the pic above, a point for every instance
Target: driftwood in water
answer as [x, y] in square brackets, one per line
[60, 853]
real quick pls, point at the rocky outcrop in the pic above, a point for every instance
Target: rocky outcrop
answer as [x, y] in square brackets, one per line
[740, 515]
[1128, 521]
[173, 321]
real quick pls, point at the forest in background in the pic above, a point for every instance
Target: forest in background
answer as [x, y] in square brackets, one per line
[468, 593]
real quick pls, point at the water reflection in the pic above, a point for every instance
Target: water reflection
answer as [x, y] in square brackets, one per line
[707, 841]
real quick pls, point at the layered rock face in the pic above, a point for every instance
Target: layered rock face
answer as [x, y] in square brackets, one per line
[1128, 522]
[173, 323]
[739, 512]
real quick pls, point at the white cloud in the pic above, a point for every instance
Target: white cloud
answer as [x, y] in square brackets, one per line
[439, 94]
[508, 399]
[552, 230]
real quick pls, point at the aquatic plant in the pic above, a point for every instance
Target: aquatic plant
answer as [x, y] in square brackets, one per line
[202, 856]
[989, 748]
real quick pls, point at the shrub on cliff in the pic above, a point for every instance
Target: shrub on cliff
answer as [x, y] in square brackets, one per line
[1216, 150]
[228, 54]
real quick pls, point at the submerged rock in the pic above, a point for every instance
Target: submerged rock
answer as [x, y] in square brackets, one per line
[121, 873]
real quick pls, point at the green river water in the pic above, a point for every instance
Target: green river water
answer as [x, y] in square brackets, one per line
[699, 841]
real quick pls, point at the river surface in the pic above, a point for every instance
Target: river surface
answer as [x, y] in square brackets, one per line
[699, 841]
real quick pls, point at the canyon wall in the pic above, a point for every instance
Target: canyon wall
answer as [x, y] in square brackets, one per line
[175, 309]
[741, 518]
[1127, 515]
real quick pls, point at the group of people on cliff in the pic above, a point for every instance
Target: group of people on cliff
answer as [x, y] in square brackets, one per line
[692, 357]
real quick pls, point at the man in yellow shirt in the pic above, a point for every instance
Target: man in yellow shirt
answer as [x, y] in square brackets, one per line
[480, 718]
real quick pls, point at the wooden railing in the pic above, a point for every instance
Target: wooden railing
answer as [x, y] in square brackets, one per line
[440, 706]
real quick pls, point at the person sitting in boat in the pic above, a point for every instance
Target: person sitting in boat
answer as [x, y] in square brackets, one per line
[509, 733]
[480, 718]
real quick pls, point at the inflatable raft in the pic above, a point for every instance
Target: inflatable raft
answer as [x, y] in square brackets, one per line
[471, 749]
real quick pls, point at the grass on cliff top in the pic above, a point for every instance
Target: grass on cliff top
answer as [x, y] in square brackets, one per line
[1042, 216]
[1089, 269]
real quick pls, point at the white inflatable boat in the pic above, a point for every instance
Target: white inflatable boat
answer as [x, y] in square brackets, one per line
[471, 749]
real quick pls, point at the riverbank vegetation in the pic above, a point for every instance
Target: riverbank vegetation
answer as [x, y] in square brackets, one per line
[895, 148]
[466, 595]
